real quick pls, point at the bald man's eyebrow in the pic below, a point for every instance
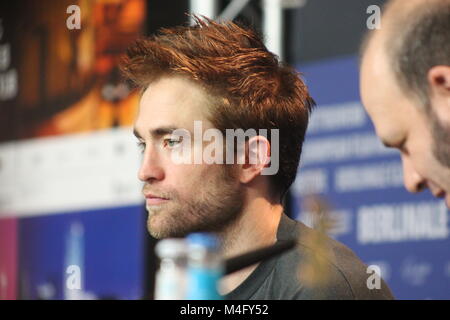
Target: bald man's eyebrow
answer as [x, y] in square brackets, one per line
[157, 132]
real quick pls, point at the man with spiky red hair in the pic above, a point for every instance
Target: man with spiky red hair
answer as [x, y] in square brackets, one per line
[222, 75]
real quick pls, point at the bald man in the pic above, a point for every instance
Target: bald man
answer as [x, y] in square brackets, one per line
[405, 88]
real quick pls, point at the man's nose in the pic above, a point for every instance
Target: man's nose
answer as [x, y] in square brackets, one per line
[150, 168]
[413, 181]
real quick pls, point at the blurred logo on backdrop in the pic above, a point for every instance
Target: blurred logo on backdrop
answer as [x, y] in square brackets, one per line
[415, 271]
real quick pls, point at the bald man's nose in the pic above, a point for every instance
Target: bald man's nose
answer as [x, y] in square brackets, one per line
[150, 168]
[413, 181]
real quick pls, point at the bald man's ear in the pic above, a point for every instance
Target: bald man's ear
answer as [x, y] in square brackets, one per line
[439, 84]
[257, 156]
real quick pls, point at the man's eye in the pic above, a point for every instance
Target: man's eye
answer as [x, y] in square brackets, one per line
[141, 146]
[172, 142]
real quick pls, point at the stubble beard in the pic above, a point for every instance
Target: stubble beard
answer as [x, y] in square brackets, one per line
[212, 208]
[441, 141]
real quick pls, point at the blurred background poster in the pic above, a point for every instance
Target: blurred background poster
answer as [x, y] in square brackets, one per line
[57, 80]
[68, 194]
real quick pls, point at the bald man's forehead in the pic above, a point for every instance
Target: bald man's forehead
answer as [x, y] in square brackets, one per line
[395, 10]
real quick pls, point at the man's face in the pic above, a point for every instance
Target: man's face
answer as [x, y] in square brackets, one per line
[181, 198]
[401, 122]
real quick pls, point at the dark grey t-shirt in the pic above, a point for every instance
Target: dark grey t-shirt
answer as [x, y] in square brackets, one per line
[277, 278]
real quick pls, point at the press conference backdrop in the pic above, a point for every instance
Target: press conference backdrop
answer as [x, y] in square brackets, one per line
[345, 165]
[69, 194]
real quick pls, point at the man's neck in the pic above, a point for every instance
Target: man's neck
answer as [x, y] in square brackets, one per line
[256, 227]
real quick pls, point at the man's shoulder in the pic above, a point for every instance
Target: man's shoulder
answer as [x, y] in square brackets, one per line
[325, 268]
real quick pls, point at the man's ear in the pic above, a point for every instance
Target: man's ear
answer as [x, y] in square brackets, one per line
[257, 156]
[439, 84]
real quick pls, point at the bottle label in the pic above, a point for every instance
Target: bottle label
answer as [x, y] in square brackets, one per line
[203, 284]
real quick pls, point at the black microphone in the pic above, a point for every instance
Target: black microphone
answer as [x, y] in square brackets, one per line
[258, 255]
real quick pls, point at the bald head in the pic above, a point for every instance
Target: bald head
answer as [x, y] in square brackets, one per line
[405, 89]
[415, 36]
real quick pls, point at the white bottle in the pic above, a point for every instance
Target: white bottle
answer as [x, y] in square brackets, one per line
[170, 283]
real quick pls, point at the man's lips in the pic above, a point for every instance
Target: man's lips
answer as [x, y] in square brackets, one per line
[154, 199]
